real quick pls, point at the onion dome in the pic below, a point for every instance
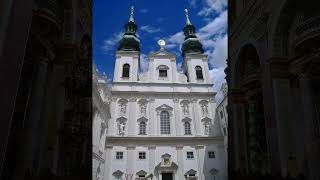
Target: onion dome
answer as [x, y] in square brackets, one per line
[191, 43]
[129, 41]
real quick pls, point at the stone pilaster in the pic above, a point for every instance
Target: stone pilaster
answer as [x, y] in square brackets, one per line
[132, 118]
[109, 158]
[131, 159]
[152, 118]
[196, 117]
[113, 129]
[180, 159]
[200, 160]
[177, 117]
[152, 156]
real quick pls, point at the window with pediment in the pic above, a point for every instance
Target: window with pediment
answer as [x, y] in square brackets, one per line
[165, 122]
[142, 128]
[187, 128]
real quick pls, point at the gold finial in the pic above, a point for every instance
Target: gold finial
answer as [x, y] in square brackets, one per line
[187, 17]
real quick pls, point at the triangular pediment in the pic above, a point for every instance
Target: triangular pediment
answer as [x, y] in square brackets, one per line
[186, 119]
[142, 119]
[141, 173]
[214, 171]
[166, 155]
[117, 173]
[164, 107]
[206, 119]
[191, 171]
[162, 53]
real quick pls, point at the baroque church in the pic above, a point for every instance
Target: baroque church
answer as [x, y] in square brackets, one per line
[162, 122]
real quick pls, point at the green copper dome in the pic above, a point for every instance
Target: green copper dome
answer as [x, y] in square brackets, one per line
[129, 41]
[191, 43]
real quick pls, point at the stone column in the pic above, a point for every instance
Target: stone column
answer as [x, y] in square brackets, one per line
[308, 111]
[34, 123]
[196, 117]
[252, 136]
[131, 159]
[132, 124]
[180, 160]
[177, 117]
[152, 158]
[152, 118]
[200, 161]
[108, 160]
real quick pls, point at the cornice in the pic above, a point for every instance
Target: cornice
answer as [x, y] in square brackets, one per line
[170, 140]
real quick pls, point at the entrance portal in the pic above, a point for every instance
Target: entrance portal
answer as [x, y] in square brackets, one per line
[167, 176]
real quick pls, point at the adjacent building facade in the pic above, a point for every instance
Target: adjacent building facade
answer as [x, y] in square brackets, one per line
[162, 121]
[100, 116]
[273, 80]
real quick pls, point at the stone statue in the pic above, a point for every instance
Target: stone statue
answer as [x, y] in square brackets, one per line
[123, 107]
[143, 109]
[204, 109]
[185, 109]
[121, 128]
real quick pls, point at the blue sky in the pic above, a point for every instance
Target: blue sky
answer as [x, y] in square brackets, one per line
[161, 20]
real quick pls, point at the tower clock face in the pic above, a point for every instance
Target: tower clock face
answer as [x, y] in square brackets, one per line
[161, 43]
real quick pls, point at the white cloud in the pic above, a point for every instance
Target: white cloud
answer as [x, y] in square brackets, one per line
[218, 75]
[144, 11]
[174, 40]
[193, 3]
[144, 63]
[149, 29]
[212, 6]
[110, 43]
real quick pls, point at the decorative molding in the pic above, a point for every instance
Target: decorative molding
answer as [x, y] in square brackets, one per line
[176, 100]
[134, 99]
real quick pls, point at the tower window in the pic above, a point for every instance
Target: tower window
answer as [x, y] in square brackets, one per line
[187, 128]
[163, 73]
[164, 122]
[199, 72]
[119, 155]
[142, 155]
[142, 128]
[190, 155]
[211, 155]
[125, 70]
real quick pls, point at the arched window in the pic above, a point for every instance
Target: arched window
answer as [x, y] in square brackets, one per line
[165, 122]
[187, 128]
[199, 72]
[126, 70]
[142, 128]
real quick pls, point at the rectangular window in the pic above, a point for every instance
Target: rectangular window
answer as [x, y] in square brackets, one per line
[211, 154]
[162, 73]
[119, 155]
[190, 155]
[142, 155]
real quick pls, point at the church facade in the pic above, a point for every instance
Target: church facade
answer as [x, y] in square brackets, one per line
[162, 121]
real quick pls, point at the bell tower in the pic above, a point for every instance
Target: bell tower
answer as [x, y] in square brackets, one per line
[195, 62]
[128, 53]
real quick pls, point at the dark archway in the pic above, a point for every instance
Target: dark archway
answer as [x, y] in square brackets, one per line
[249, 84]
